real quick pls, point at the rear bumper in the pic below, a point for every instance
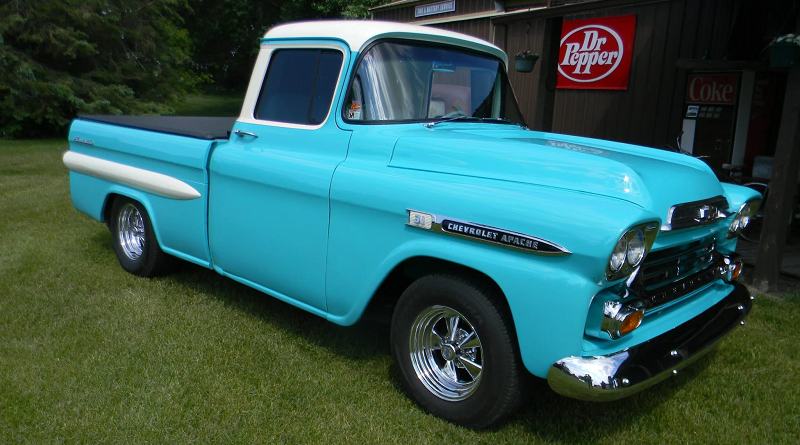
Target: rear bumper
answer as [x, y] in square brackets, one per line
[612, 377]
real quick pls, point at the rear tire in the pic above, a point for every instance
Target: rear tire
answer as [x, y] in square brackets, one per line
[135, 240]
[455, 348]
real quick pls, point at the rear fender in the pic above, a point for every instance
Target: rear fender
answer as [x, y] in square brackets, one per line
[93, 197]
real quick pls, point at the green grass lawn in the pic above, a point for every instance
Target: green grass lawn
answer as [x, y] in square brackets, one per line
[91, 354]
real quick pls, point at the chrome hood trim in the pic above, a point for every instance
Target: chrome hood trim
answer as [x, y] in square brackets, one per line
[697, 213]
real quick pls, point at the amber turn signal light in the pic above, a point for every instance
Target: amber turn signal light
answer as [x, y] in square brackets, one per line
[619, 320]
[737, 269]
[631, 322]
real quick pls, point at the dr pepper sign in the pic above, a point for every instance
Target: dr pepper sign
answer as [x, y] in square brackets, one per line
[596, 54]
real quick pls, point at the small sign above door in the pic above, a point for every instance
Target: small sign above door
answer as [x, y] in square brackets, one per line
[435, 8]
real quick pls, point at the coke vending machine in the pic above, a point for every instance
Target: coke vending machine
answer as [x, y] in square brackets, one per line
[709, 119]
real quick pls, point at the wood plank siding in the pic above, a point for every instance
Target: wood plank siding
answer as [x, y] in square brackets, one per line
[480, 28]
[405, 12]
[649, 112]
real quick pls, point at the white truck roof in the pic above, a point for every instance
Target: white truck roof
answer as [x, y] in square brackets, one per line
[359, 33]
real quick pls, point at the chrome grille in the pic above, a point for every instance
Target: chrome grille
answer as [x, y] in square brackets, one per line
[669, 274]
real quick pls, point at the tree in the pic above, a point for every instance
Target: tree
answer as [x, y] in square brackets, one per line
[326, 9]
[225, 37]
[225, 33]
[59, 58]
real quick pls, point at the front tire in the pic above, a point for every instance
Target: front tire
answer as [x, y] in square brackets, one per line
[135, 240]
[455, 349]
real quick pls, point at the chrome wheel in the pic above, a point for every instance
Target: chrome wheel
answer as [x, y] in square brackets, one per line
[446, 353]
[131, 231]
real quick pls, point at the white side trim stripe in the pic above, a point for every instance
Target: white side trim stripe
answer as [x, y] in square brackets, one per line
[145, 180]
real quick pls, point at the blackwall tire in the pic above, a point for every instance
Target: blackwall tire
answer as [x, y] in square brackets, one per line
[456, 352]
[135, 240]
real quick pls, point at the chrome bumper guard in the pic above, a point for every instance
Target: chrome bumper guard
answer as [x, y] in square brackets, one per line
[611, 377]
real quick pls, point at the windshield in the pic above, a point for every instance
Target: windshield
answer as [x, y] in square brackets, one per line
[418, 82]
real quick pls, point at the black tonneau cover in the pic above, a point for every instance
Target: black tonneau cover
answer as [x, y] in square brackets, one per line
[196, 127]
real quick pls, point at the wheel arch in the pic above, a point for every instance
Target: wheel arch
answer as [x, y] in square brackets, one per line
[118, 192]
[412, 268]
[530, 286]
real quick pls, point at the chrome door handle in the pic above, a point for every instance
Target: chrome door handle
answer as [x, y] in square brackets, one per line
[242, 134]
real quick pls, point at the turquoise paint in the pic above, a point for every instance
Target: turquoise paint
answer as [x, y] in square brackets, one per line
[177, 156]
[316, 217]
[180, 225]
[270, 204]
[374, 186]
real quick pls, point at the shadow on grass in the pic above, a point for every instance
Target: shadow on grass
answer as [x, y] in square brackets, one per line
[555, 418]
[549, 416]
[546, 414]
[364, 340]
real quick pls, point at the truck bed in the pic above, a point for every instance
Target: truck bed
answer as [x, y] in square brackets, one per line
[195, 127]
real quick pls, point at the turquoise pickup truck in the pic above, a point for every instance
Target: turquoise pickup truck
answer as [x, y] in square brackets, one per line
[388, 165]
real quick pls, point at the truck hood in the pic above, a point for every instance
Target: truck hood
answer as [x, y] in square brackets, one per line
[653, 179]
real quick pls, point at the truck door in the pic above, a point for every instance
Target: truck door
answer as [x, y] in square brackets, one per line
[269, 187]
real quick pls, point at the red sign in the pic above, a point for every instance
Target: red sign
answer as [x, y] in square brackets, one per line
[711, 88]
[596, 54]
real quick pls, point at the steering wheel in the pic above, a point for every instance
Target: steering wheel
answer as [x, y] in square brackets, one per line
[457, 111]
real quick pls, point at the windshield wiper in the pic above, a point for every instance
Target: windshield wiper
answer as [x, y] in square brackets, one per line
[502, 120]
[450, 119]
[493, 120]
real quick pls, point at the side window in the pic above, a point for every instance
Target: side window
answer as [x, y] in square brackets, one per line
[299, 86]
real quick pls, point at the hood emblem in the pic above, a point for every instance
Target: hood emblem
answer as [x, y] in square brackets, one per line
[696, 213]
[483, 233]
[706, 213]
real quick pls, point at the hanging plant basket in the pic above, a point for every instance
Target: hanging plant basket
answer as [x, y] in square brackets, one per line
[525, 63]
[784, 55]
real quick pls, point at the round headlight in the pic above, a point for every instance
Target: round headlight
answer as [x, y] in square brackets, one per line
[636, 248]
[618, 256]
[743, 216]
[744, 220]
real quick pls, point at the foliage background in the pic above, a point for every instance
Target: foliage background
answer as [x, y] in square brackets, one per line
[59, 58]
[225, 33]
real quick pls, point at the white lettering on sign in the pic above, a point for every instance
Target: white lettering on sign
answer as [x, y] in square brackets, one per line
[593, 50]
[435, 8]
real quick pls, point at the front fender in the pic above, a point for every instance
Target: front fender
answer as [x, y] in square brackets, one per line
[548, 296]
[544, 296]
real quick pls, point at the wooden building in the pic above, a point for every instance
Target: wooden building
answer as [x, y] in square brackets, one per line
[673, 39]
[704, 71]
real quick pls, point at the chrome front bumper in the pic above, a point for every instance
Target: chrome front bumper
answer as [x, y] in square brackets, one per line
[612, 377]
